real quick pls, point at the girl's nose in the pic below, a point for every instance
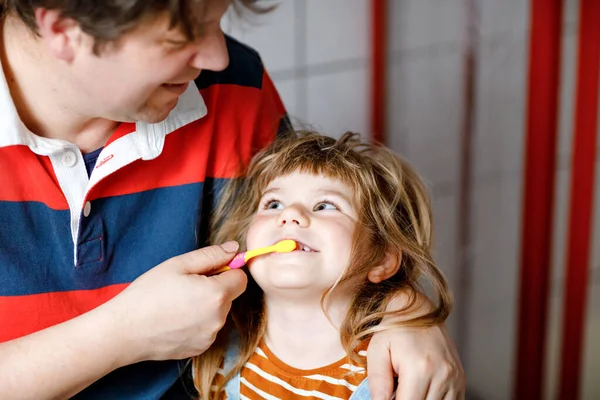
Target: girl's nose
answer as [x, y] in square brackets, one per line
[295, 215]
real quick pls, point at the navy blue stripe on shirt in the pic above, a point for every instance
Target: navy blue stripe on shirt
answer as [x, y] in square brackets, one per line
[146, 380]
[90, 160]
[131, 234]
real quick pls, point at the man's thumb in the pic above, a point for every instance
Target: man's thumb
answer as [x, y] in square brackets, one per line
[208, 259]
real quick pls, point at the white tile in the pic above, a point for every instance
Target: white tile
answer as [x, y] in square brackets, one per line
[337, 30]
[553, 345]
[567, 93]
[445, 228]
[407, 24]
[448, 21]
[404, 92]
[415, 24]
[571, 12]
[444, 246]
[489, 363]
[560, 226]
[500, 106]
[492, 315]
[425, 102]
[504, 16]
[339, 102]
[287, 92]
[271, 34]
[496, 234]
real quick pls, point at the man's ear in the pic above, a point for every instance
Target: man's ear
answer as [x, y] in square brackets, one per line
[61, 35]
[390, 265]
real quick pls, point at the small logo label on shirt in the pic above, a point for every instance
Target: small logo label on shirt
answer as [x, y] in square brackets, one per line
[105, 160]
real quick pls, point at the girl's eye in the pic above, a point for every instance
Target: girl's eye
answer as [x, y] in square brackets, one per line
[273, 205]
[326, 205]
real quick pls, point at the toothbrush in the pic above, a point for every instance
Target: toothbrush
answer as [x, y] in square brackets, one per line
[241, 259]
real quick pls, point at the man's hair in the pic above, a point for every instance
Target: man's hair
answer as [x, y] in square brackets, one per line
[107, 20]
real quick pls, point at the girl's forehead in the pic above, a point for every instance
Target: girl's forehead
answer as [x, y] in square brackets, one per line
[326, 177]
[301, 180]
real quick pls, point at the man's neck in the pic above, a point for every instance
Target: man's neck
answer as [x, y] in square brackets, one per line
[36, 90]
[301, 335]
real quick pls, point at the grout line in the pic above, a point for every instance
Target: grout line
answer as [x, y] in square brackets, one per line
[328, 68]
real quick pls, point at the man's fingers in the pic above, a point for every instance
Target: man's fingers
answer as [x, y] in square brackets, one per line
[207, 259]
[452, 395]
[234, 281]
[412, 386]
[379, 371]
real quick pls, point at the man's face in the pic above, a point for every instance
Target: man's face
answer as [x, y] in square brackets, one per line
[141, 77]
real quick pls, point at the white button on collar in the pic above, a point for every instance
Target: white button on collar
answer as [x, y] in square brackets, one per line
[87, 208]
[69, 159]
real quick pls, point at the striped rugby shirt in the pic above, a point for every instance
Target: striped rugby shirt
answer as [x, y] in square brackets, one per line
[69, 242]
[265, 376]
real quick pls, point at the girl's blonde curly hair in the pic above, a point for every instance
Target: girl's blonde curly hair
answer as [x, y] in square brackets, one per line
[394, 218]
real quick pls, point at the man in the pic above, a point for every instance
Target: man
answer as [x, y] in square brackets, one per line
[113, 146]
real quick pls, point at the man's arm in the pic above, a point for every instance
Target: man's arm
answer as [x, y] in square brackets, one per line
[156, 318]
[64, 359]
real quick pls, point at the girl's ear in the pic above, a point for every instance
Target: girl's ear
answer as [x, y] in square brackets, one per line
[390, 265]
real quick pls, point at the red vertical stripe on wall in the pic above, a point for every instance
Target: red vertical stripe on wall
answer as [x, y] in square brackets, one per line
[582, 195]
[378, 68]
[540, 163]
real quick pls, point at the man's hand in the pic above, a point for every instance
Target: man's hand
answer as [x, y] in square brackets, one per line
[424, 359]
[174, 310]
[170, 312]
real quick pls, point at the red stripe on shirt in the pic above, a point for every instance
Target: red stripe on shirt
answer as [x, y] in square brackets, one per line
[48, 309]
[32, 178]
[123, 129]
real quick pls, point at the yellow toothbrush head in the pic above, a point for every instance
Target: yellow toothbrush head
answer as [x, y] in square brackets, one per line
[283, 246]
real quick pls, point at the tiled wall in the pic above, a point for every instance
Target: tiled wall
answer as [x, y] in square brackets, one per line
[317, 52]
[427, 99]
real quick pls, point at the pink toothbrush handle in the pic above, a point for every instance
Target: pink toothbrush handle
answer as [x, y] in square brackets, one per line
[238, 261]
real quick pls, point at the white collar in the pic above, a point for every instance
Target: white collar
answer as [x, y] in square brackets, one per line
[148, 137]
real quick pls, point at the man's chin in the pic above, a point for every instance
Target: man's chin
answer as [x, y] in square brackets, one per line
[154, 115]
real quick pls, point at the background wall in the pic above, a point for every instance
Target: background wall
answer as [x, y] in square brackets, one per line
[318, 53]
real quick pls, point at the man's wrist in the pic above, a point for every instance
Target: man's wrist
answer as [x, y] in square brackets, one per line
[410, 305]
[114, 335]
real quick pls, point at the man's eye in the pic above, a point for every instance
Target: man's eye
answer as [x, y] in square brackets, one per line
[177, 44]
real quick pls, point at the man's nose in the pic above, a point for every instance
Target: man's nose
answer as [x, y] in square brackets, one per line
[212, 54]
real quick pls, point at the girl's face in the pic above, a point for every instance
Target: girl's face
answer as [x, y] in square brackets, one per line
[320, 215]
